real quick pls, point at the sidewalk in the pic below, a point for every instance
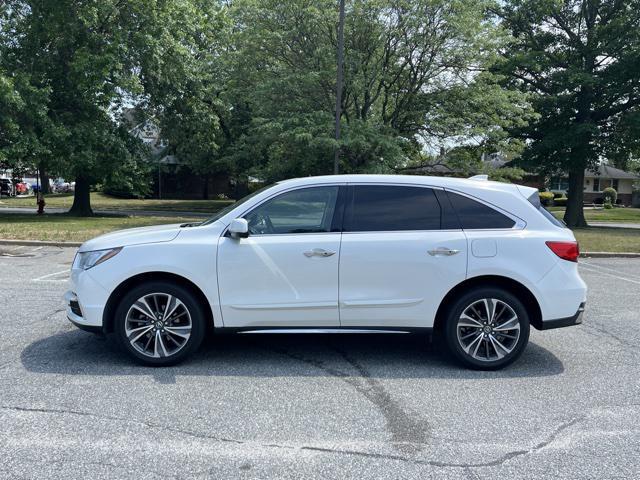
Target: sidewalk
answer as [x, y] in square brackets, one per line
[615, 225]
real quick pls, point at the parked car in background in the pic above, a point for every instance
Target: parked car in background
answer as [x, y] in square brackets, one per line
[61, 186]
[22, 188]
[477, 262]
[7, 188]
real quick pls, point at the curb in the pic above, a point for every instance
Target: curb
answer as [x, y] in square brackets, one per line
[39, 243]
[610, 254]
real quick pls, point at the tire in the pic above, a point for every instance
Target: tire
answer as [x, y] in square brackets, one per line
[163, 341]
[478, 343]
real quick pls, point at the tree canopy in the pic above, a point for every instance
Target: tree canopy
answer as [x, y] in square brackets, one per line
[249, 87]
[580, 62]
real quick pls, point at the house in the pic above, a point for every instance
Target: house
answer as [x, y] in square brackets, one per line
[595, 181]
[172, 178]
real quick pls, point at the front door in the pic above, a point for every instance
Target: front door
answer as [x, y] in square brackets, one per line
[285, 273]
[399, 256]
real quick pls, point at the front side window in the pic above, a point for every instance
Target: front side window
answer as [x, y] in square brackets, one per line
[474, 215]
[308, 210]
[381, 208]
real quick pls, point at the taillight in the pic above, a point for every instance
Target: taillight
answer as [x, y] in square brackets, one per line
[565, 250]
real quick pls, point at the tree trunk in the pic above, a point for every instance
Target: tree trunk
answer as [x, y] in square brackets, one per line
[81, 199]
[205, 187]
[44, 181]
[574, 214]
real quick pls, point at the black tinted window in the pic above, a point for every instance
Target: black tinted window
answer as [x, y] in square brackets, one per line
[475, 215]
[378, 208]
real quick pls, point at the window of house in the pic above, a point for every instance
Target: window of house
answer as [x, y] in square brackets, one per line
[596, 184]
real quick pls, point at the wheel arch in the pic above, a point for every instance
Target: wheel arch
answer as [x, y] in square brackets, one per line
[112, 303]
[513, 286]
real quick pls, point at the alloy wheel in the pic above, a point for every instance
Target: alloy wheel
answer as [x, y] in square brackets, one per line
[158, 325]
[488, 329]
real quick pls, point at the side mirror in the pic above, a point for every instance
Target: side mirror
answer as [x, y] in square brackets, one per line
[239, 228]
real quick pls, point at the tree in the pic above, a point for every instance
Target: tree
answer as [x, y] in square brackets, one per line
[89, 58]
[415, 73]
[580, 61]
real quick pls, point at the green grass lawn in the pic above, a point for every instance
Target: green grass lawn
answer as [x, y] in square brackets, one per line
[597, 239]
[63, 227]
[615, 215]
[100, 201]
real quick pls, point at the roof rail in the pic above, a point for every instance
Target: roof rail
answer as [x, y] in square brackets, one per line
[483, 178]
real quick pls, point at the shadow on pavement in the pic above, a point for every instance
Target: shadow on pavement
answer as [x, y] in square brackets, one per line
[294, 355]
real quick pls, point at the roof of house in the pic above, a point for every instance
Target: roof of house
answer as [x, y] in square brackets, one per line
[607, 171]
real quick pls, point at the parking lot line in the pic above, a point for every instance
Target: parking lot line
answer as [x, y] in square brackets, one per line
[45, 278]
[593, 268]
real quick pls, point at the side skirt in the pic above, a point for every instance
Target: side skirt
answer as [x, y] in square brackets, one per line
[321, 330]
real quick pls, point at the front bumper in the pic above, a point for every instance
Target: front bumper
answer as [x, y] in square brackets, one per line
[565, 322]
[85, 301]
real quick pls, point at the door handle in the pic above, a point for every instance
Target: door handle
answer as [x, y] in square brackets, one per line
[443, 251]
[318, 252]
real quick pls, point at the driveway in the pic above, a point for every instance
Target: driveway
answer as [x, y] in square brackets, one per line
[377, 406]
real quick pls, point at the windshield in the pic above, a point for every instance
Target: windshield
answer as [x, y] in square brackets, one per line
[534, 200]
[221, 213]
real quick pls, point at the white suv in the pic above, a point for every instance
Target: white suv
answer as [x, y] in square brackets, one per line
[474, 261]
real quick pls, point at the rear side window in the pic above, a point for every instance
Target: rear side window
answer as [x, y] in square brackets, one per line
[381, 208]
[474, 215]
[534, 200]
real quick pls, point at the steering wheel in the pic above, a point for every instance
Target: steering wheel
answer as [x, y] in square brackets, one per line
[259, 223]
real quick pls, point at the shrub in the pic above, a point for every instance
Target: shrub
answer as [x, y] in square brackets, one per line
[546, 198]
[608, 206]
[558, 195]
[560, 202]
[610, 195]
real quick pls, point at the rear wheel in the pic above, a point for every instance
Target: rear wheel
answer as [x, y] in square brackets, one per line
[487, 328]
[159, 323]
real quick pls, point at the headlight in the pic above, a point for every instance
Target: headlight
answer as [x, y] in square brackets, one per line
[86, 260]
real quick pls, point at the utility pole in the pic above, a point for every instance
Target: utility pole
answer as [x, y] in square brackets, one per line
[336, 159]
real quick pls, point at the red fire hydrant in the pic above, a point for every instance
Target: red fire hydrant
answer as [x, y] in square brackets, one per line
[41, 203]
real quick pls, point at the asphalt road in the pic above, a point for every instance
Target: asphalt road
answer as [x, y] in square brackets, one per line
[377, 406]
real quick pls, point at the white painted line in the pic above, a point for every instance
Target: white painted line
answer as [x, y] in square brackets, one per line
[44, 277]
[601, 272]
[607, 268]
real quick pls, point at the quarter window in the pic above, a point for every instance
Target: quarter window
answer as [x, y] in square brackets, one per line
[308, 210]
[377, 208]
[475, 215]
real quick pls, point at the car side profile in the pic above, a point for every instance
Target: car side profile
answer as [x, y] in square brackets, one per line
[475, 262]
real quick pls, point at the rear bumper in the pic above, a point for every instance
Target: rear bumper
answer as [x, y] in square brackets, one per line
[575, 319]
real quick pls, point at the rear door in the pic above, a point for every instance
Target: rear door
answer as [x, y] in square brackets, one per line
[401, 252]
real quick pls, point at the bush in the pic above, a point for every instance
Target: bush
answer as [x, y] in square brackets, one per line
[608, 206]
[558, 195]
[560, 202]
[546, 198]
[610, 195]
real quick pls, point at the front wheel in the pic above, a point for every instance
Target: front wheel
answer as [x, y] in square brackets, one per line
[159, 323]
[487, 329]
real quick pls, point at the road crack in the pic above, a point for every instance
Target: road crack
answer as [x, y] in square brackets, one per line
[311, 448]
